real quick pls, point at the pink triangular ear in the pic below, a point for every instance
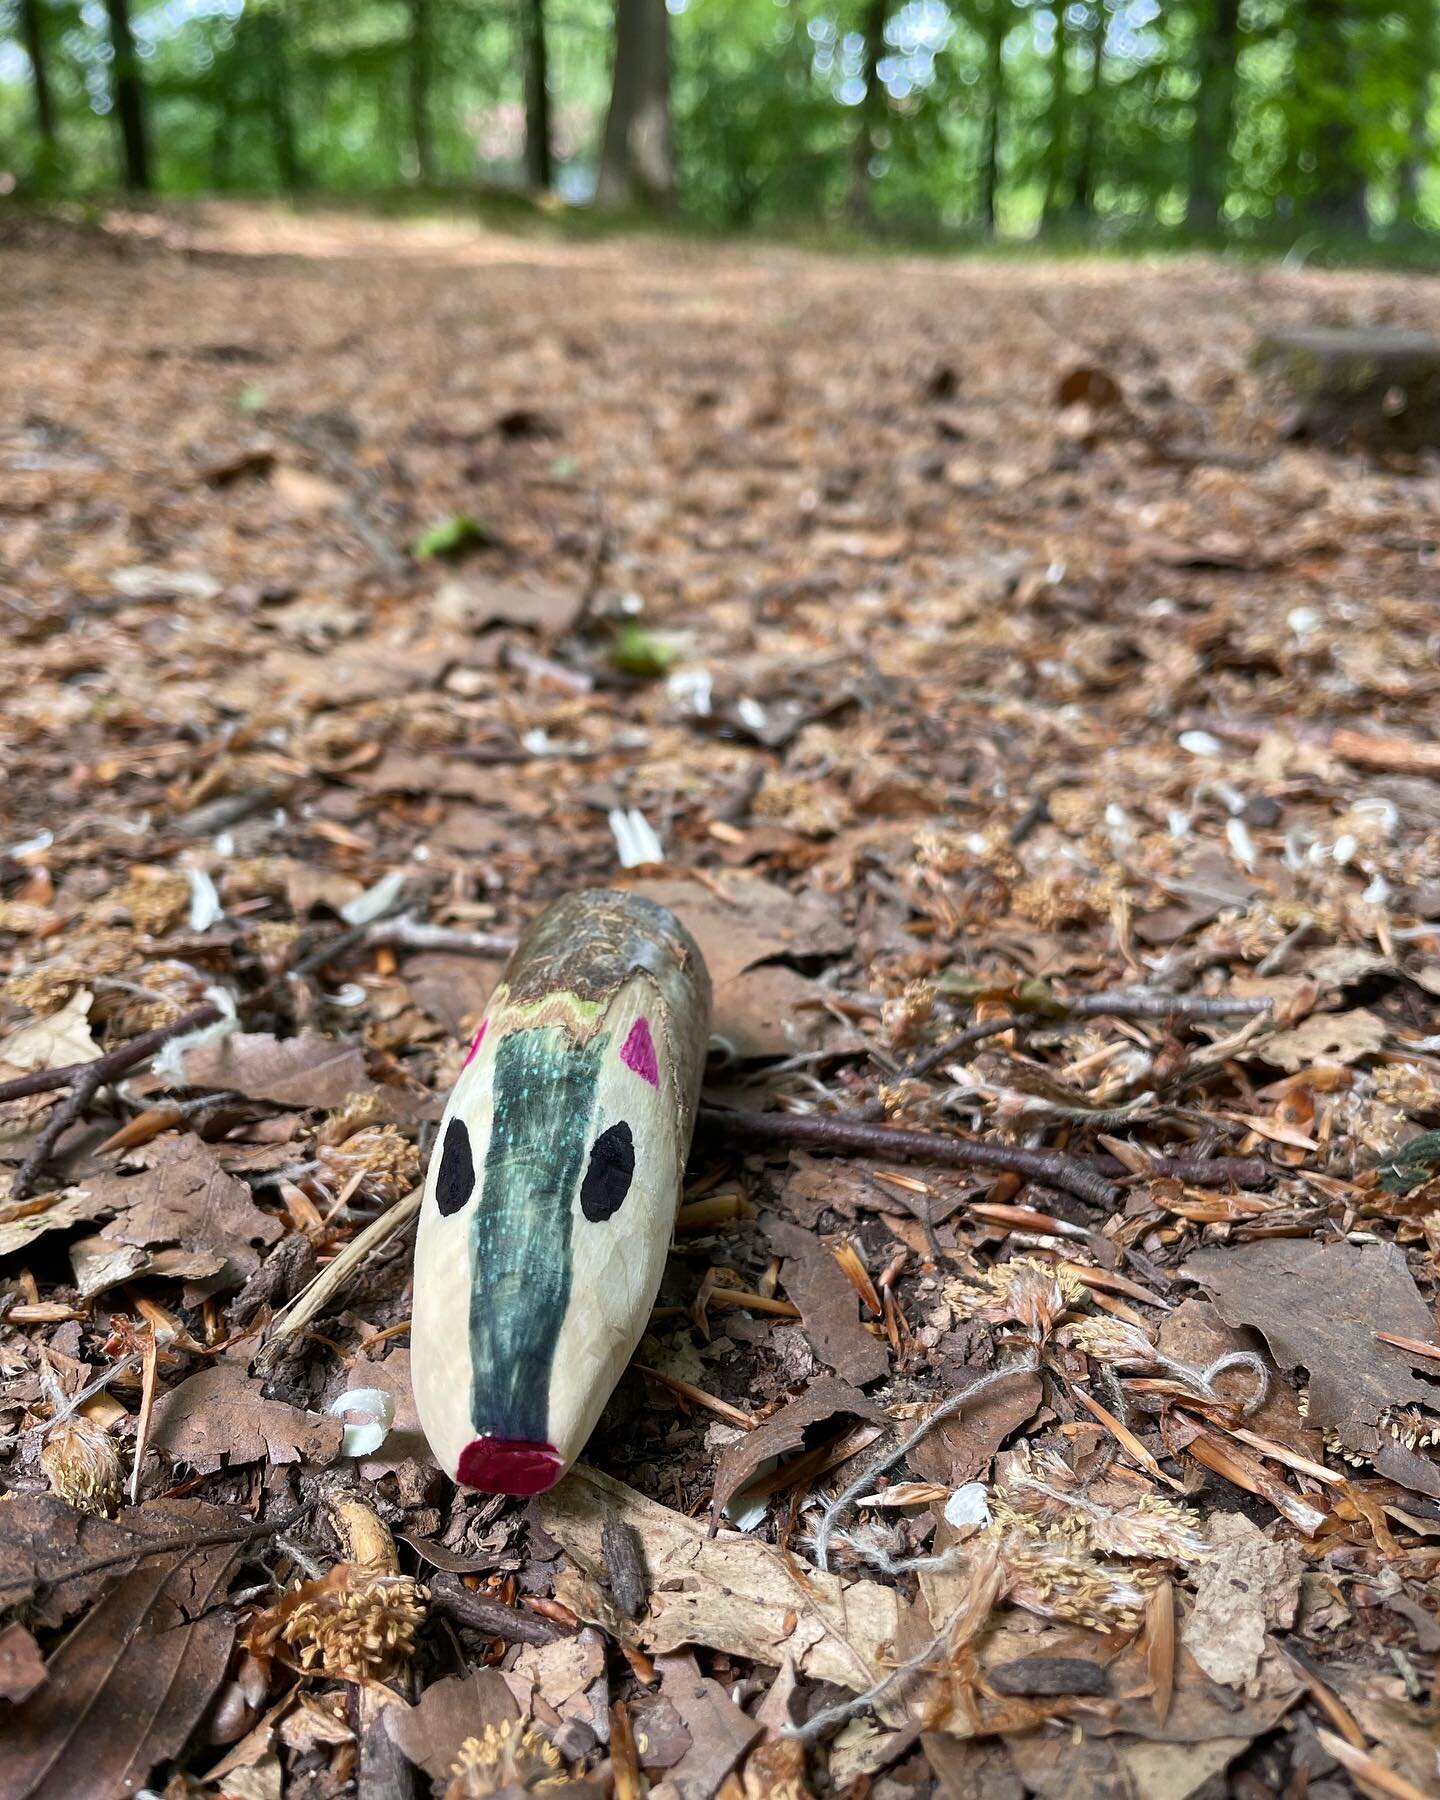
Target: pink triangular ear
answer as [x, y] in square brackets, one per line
[638, 1053]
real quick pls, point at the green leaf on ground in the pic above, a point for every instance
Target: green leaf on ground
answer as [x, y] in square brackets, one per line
[452, 537]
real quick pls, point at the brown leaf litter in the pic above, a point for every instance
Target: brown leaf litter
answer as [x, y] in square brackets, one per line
[1040, 745]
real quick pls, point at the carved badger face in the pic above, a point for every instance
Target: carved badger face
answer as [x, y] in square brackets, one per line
[547, 1216]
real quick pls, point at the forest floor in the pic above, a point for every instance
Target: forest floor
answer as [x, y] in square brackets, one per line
[973, 646]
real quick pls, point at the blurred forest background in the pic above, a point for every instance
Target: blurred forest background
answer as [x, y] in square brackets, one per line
[1277, 123]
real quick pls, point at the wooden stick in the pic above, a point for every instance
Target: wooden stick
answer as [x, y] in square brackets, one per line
[1083, 1176]
[835, 1132]
[103, 1069]
[450, 1597]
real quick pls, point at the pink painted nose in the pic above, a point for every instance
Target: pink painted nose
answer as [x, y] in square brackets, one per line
[510, 1466]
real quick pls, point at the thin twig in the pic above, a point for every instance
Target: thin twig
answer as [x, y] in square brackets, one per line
[104, 1069]
[450, 1597]
[406, 932]
[833, 1132]
[962, 1040]
[1133, 1003]
[146, 1544]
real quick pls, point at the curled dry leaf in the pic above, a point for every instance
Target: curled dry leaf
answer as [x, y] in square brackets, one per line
[825, 1399]
[1326, 1038]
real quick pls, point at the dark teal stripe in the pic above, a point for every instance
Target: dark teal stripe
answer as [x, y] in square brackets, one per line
[544, 1107]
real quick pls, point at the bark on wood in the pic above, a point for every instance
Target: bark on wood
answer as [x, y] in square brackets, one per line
[129, 95]
[637, 158]
[1359, 389]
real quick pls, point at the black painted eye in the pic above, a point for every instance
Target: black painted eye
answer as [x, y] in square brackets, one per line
[607, 1180]
[457, 1170]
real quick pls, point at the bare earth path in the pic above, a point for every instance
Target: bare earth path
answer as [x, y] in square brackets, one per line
[972, 639]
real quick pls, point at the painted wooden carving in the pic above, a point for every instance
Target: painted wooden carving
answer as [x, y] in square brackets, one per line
[552, 1190]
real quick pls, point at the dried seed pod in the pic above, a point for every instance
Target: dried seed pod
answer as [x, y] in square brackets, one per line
[552, 1193]
[83, 1465]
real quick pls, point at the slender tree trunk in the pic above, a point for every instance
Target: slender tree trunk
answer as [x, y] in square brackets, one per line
[539, 164]
[222, 143]
[129, 95]
[1219, 51]
[1056, 156]
[34, 36]
[420, 49]
[1420, 46]
[996, 22]
[1325, 63]
[1084, 198]
[274, 51]
[637, 158]
[1412, 170]
[870, 120]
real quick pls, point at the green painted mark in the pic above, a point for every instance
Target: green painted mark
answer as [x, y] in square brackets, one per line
[544, 1106]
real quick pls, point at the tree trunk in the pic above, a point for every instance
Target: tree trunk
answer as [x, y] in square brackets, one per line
[637, 158]
[1219, 50]
[420, 139]
[539, 165]
[35, 49]
[1055, 156]
[1420, 60]
[274, 50]
[996, 22]
[129, 95]
[870, 120]
[1083, 203]
[1325, 63]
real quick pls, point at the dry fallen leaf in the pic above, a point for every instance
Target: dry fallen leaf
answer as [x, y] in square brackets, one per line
[825, 1399]
[962, 1446]
[220, 1418]
[22, 1221]
[1249, 1586]
[829, 1305]
[22, 1667]
[182, 1196]
[763, 1007]
[720, 1732]
[730, 1593]
[450, 1710]
[138, 1670]
[1319, 1307]
[1326, 1038]
[54, 1042]
[308, 1070]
